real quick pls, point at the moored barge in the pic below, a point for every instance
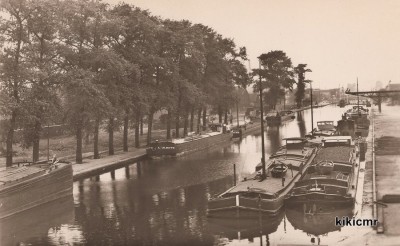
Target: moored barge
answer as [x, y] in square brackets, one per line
[276, 117]
[360, 116]
[182, 146]
[255, 194]
[29, 186]
[247, 129]
[332, 178]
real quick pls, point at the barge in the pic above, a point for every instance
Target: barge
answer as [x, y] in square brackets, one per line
[324, 128]
[29, 186]
[244, 130]
[360, 116]
[276, 117]
[332, 177]
[256, 194]
[182, 146]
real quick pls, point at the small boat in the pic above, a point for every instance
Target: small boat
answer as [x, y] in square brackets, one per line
[23, 187]
[332, 177]
[278, 170]
[255, 194]
[276, 117]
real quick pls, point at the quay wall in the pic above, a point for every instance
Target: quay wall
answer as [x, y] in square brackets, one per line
[107, 164]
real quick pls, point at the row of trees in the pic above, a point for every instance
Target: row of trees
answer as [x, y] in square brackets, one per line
[90, 66]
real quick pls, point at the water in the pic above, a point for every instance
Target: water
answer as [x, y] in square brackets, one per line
[164, 202]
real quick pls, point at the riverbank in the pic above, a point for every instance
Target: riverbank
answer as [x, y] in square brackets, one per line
[386, 174]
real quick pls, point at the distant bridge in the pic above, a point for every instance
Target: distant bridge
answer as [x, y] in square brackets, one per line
[376, 95]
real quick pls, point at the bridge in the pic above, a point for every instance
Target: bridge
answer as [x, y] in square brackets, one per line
[375, 95]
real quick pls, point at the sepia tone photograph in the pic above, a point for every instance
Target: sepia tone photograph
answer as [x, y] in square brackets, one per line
[191, 123]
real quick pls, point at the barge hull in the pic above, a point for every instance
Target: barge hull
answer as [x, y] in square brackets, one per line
[179, 149]
[22, 195]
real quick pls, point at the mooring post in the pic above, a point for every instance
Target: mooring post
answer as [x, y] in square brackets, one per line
[113, 174]
[234, 174]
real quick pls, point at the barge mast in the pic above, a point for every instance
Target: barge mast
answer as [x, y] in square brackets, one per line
[264, 175]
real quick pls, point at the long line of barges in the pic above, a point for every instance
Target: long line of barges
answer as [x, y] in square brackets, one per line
[315, 172]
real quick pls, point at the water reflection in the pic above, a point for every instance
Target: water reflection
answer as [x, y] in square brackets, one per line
[245, 229]
[37, 224]
[301, 123]
[164, 202]
[275, 139]
[317, 221]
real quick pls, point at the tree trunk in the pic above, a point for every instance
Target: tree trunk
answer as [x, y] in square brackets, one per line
[219, 114]
[36, 141]
[191, 119]
[226, 117]
[169, 124]
[10, 138]
[204, 117]
[177, 116]
[150, 126]
[177, 125]
[79, 143]
[186, 123]
[137, 129]
[111, 136]
[96, 154]
[126, 125]
[141, 125]
[198, 120]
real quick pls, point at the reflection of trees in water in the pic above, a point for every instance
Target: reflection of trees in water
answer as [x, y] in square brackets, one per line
[135, 214]
[274, 137]
[301, 123]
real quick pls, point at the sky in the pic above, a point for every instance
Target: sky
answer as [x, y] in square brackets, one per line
[339, 40]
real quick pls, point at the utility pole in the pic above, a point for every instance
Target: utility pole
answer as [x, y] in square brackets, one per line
[358, 100]
[312, 112]
[264, 175]
[237, 112]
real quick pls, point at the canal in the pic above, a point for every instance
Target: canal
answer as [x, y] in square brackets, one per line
[164, 202]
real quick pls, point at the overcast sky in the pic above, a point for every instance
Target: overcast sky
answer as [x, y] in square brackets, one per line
[339, 40]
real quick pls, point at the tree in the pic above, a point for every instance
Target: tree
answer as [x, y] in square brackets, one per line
[83, 94]
[300, 70]
[14, 73]
[277, 74]
[41, 102]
